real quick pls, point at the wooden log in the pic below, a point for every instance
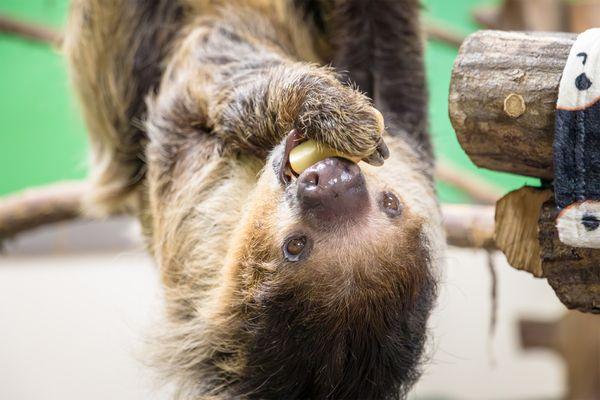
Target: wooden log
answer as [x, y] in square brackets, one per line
[526, 233]
[30, 31]
[477, 188]
[523, 15]
[502, 99]
[516, 231]
[573, 273]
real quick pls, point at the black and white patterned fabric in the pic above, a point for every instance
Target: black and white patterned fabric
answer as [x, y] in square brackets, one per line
[577, 145]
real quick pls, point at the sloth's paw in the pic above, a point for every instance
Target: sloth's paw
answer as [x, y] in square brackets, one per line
[344, 119]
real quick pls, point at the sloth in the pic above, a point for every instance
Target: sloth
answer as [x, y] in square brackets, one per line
[278, 284]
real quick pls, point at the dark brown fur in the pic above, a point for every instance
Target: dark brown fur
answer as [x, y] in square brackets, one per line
[377, 45]
[223, 83]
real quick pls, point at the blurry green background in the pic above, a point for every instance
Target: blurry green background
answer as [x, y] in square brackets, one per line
[42, 135]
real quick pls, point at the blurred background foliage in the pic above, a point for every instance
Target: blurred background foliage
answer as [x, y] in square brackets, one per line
[42, 135]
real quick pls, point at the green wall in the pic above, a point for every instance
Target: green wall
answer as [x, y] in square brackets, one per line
[42, 136]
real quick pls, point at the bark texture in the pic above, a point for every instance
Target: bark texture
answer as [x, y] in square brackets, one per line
[526, 232]
[503, 97]
[573, 273]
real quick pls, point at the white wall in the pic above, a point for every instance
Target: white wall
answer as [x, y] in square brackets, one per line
[72, 327]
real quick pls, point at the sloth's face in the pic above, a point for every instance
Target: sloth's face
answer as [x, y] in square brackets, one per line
[337, 218]
[337, 270]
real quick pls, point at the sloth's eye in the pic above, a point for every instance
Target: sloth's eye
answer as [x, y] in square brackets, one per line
[391, 204]
[295, 248]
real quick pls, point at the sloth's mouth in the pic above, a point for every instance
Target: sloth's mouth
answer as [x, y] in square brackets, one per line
[311, 154]
[285, 172]
[300, 154]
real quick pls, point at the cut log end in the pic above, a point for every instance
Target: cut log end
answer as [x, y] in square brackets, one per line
[514, 105]
[516, 232]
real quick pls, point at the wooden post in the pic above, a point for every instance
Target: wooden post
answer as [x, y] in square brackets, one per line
[574, 337]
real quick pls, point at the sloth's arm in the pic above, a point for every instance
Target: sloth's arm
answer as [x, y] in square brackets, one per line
[239, 78]
[256, 107]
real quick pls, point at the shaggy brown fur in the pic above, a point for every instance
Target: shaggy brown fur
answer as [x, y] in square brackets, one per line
[187, 103]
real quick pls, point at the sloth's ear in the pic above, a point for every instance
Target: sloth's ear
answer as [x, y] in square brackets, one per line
[378, 47]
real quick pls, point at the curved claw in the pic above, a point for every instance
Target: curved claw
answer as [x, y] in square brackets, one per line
[383, 149]
[381, 153]
[292, 139]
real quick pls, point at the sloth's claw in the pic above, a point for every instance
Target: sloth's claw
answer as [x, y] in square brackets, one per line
[378, 157]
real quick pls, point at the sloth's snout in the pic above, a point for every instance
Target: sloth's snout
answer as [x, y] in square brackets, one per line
[333, 189]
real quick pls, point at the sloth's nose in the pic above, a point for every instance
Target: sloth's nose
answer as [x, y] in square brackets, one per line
[333, 189]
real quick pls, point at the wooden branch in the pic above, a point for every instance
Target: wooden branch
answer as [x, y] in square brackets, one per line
[40, 206]
[488, 16]
[503, 96]
[582, 15]
[469, 225]
[31, 31]
[37, 32]
[479, 190]
[444, 34]
[466, 225]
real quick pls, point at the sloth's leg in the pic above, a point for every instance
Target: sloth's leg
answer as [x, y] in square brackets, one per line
[115, 51]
